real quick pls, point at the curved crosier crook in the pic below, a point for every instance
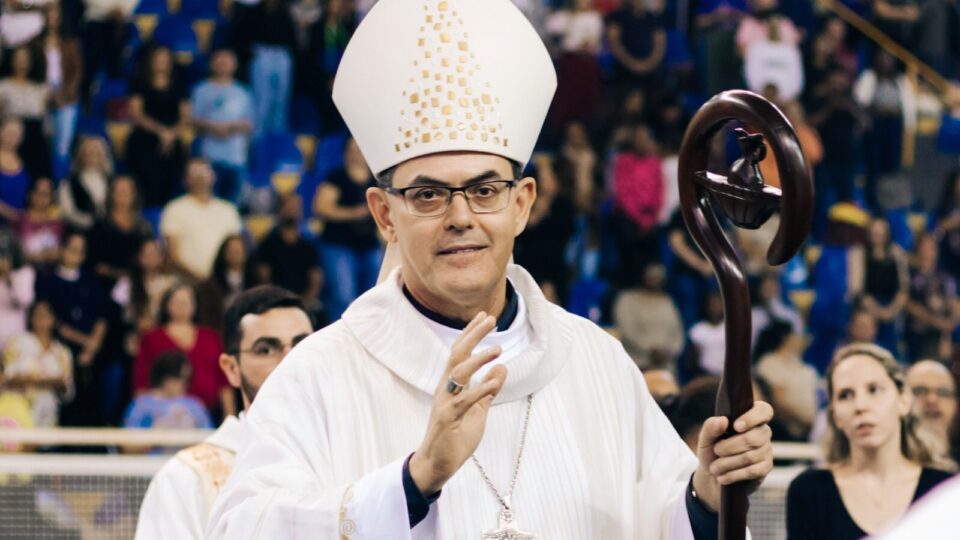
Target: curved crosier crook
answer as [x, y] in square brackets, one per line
[748, 203]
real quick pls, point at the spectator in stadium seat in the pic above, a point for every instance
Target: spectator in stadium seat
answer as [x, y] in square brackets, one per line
[168, 405]
[350, 247]
[826, 52]
[326, 41]
[222, 111]
[541, 249]
[64, 57]
[106, 30]
[879, 280]
[579, 32]
[636, 37]
[140, 293]
[177, 331]
[716, 25]
[231, 275]
[862, 327]
[24, 95]
[39, 226]
[116, 238]
[933, 310]
[877, 464]
[897, 19]
[948, 225]
[637, 196]
[160, 111]
[286, 259]
[769, 307]
[935, 400]
[78, 301]
[39, 366]
[889, 99]
[793, 384]
[649, 323]
[16, 287]
[708, 337]
[14, 178]
[839, 120]
[770, 46]
[82, 196]
[267, 38]
[691, 276]
[195, 224]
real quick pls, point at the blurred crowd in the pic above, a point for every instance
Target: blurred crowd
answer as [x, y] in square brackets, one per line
[158, 157]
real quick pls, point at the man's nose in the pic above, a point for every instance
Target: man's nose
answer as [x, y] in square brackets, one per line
[459, 215]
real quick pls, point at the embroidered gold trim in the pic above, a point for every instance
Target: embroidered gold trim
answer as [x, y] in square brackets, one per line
[347, 526]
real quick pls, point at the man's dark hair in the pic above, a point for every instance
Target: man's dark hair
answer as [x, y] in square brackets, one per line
[385, 178]
[255, 301]
[694, 404]
[163, 318]
[168, 365]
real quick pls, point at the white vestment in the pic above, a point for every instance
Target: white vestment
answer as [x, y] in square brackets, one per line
[182, 492]
[326, 439]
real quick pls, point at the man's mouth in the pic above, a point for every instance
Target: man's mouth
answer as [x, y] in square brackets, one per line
[457, 250]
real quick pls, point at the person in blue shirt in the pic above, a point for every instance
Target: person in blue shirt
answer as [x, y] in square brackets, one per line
[167, 405]
[222, 110]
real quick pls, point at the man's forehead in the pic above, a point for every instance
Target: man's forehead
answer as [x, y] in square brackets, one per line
[451, 167]
[927, 371]
[277, 322]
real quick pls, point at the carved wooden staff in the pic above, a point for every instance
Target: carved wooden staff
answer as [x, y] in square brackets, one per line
[748, 203]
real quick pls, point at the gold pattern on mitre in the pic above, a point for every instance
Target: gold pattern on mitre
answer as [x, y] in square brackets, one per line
[450, 101]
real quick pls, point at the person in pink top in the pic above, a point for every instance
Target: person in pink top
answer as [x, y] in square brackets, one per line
[638, 194]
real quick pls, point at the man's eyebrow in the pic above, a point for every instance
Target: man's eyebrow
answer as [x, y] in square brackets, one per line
[424, 180]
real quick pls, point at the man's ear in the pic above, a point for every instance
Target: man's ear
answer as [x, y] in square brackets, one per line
[231, 368]
[526, 196]
[380, 211]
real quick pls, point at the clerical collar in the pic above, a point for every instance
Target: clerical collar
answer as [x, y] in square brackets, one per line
[506, 319]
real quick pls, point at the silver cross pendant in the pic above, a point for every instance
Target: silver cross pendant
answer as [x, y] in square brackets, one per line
[507, 530]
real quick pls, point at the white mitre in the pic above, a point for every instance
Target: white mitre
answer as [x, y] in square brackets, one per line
[427, 76]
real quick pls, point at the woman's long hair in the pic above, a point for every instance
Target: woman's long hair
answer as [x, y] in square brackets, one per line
[913, 446]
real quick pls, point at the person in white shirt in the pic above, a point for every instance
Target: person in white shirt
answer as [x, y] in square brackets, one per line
[194, 225]
[260, 327]
[455, 374]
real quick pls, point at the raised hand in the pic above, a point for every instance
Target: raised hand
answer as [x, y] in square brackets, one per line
[459, 415]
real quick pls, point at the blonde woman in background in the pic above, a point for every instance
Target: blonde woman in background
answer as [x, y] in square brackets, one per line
[878, 465]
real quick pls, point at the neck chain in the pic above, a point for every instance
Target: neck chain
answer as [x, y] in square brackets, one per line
[508, 529]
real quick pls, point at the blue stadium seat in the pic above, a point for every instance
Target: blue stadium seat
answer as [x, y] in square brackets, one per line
[277, 152]
[329, 156]
[200, 9]
[304, 117]
[177, 33]
[677, 51]
[900, 231]
[152, 7]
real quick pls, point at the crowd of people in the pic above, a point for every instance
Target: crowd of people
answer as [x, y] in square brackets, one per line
[119, 254]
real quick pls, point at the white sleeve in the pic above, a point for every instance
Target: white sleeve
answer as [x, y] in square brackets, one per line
[283, 481]
[173, 506]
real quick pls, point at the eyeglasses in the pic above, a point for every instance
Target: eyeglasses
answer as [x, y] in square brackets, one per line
[433, 201]
[942, 393]
[270, 347]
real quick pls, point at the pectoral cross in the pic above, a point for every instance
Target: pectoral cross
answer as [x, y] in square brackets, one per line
[507, 530]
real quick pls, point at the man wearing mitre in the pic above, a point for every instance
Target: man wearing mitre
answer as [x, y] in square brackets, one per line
[452, 400]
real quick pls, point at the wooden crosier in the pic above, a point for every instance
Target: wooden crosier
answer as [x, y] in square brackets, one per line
[747, 202]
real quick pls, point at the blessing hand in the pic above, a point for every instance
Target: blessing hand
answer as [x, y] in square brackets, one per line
[457, 420]
[746, 456]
